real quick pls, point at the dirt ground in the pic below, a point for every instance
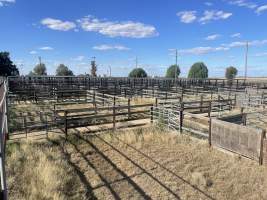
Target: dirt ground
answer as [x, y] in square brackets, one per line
[133, 164]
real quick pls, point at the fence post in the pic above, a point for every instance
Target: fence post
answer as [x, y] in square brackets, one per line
[181, 117]
[244, 117]
[151, 115]
[168, 120]
[182, 96]
[210, 107]
[66, 123]
[263, 135]
[103, 99]
[201, 103]
[46, 126]
[235, 100]
[25, 125]
[114, 113]
[94, 96]
[129, 108]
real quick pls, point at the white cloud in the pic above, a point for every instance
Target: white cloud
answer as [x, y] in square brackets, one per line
[212, 15]
[117, 29]
[236, 35]
[223, 47]
[105, 47]
[261, 9]
[213, 37]
[237, 44]
[5, 2]
[187, 16]
[33, 52]
[202, 50]
[79, 58]
[243, 3]
[208, 4]
[208, 15]
[56, 24]
[46, 48]
[248, 4]
[264, 54]
[244, 43]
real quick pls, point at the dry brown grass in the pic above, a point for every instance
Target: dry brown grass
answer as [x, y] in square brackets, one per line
[138, 101]
[134, 164]
[38, 170]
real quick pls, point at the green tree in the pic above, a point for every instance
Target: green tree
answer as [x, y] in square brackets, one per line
[138, 73]
[39, 70]
[7, 68]
[198, 70]
[172, 70]
[63, 70]
[230, 72]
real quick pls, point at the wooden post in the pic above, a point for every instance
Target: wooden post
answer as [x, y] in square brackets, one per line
[209, 115]
[151, 115]
[66, 123]
[46, 126]
[129, 108]
[201, 103]
[114, 117]
[263, 135]
[103, 98]
[181, 117]
[235, 100]
[244, 117]
[25, 125]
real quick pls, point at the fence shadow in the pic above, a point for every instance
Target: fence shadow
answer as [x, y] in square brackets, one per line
[143, 170]
[164, 168]
[83, 138]
[89, 190]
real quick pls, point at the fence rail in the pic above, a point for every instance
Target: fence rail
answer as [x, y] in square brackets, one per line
[3, 136]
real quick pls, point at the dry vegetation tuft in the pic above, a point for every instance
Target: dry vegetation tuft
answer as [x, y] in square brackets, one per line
[37, 170]
[132, 164]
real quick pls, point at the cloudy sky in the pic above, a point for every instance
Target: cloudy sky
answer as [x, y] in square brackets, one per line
[118, 31]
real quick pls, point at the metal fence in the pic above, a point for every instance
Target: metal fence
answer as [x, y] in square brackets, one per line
[3, 136]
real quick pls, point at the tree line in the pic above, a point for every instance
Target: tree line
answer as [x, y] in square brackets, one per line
[198, 70]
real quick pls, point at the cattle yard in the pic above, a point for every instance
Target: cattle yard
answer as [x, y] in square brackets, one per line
[226, 115]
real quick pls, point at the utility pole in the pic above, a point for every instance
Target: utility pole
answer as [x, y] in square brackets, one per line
[176, 62]
[136, 62]
[246, 62]
[176, 66]
[21, 69]
[176, 56]
[40, 60]
[109, 71]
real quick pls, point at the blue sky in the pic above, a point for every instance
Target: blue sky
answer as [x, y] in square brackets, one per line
[118, 31]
